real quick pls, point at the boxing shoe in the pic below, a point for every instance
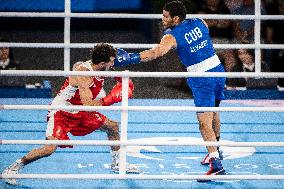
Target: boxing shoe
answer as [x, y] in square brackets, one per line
[130, 168]
[216, 168]
[205, 160]
[11, 170]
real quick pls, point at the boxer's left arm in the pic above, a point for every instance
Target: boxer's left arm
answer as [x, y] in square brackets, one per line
[166, 44]
[124, 58]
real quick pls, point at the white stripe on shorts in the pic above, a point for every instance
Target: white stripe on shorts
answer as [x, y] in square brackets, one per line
[205, 65]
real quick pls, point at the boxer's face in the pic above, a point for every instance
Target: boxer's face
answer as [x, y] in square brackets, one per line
[106, 66]
[167, 20]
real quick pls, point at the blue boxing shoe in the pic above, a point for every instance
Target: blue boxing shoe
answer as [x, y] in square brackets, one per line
[216, 168]
[206, 159]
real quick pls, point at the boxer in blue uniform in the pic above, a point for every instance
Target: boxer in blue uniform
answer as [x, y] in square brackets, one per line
[192, 41]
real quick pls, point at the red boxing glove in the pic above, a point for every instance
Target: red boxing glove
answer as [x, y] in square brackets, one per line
[115, 94]
[119, 79]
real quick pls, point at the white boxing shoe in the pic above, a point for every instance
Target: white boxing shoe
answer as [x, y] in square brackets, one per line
[130, 168]
[12, 170]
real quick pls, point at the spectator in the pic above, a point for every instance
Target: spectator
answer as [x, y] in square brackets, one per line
[247, 62]
[244, 33]
[244, 29]
[233, 5]
[7, 60]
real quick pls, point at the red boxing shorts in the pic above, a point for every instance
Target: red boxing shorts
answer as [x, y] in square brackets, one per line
[81, 123]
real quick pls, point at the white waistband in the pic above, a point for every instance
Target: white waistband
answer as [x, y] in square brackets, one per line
[205, 65]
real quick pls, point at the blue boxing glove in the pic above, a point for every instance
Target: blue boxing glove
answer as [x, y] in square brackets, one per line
[124, 58]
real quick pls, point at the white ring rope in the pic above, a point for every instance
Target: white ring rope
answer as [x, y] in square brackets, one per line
[143, 108]
[139, 16]
[134, 45]
[143, 177]
[144, 143]
[140, 74]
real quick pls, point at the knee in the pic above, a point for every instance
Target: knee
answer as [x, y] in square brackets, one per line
[205, 120]
[111, 128]
[202, 126]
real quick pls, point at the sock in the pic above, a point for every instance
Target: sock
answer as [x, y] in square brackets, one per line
[18, 164]
[20, 161]
[218, 139]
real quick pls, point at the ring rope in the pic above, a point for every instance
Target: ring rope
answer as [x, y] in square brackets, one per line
[143, 177]
[143, 108]
[137, 143]
[141, 74]
[138, 16]
[134, 45]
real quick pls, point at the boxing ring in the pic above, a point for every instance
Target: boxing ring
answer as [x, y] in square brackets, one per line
[161, 137]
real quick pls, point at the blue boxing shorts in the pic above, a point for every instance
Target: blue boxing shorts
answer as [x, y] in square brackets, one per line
[206, 90]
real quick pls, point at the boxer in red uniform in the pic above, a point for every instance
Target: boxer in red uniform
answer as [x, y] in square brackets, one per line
[81, 90]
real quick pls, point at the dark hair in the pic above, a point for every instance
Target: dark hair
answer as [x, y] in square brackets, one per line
[102, 53]
[176, 8]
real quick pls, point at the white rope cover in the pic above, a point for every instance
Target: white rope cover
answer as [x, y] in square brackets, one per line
[140, 74]
[144, 177]
[145, 143]
[134, 45]
[138, 16]
[143, 108]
